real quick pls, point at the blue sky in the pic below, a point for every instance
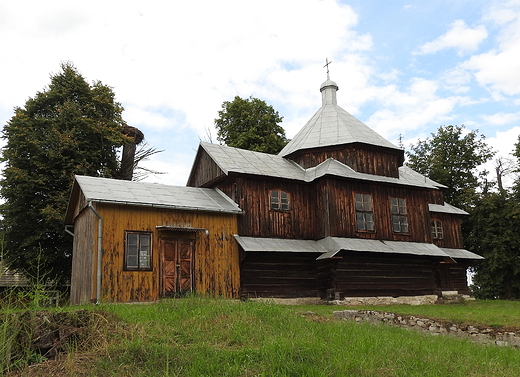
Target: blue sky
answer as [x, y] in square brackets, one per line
[402, 67]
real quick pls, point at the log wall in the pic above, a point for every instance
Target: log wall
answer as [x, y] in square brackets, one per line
[376, 274]
[279, 275]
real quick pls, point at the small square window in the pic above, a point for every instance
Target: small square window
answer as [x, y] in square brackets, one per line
[279, 200]
[138, 251]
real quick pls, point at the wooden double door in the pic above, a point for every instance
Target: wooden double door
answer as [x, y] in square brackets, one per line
[177, 257]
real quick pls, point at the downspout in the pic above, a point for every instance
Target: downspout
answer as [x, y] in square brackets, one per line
[99, 252]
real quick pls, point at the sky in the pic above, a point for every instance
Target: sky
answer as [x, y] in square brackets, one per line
[403, 68]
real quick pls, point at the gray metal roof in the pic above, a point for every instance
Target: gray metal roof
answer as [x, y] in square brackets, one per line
[331, 125]
[280, 245]
[461, 254]
[235, 160]
[446, 208]
[330, 246]
[155, 195]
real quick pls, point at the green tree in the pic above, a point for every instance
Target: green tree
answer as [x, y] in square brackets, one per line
[69, 128]
[494, 224]
[451, 157]
[250, 124]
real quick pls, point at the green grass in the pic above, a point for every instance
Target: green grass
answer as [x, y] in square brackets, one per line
[215, 337]
[212, 337]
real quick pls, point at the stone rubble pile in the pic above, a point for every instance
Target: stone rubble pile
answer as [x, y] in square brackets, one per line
[434, 327]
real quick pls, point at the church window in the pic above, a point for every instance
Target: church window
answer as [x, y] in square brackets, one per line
[437, 231]
[138, 250]
[399, 215]
[279, 200]
[364, 212]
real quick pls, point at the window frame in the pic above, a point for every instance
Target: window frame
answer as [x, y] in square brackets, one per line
[436, 224]
[278, 202]
[140, 238]
[399, 215]
[364, 212]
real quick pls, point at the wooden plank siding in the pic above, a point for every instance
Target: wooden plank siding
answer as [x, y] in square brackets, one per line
[265, 274]
[358, 274]
[252, 196]
[326, 207]
[451, 226]
[361, 158]
[204, 170]
[216, 254]
[84, 257]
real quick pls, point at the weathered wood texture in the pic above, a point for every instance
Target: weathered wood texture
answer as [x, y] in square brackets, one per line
[361, 158]
[216, 269]
[279, 275]
[327, 208]
[375, 274]
[252, 196]
[452, 231]
[84, 256]
[204, 170]
[458, 277]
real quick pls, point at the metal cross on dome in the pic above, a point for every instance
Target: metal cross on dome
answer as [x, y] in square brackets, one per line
[327, 65]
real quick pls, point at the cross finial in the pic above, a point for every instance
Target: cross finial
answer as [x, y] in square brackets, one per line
[327, 65]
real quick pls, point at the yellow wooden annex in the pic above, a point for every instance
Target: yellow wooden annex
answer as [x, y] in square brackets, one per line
[137, 241]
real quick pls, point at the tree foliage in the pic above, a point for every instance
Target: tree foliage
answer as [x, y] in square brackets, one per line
[451, 157]
[494, 225]
[250, 124]
[69, 128]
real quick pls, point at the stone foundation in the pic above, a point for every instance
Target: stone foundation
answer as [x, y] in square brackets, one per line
[434, 327]
[402, 300]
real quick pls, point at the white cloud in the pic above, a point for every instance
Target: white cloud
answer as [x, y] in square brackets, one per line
[459, 36]
[501, 119]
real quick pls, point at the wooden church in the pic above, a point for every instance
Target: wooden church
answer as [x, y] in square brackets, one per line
[335, 213]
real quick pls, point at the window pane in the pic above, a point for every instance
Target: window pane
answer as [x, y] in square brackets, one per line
[360, 221]
[359, 202]
[369, 218]
[394, 205]
[396, 224]
[367, 199]
[402, 206]
[274, 200]
[131, 256]
[284, 200]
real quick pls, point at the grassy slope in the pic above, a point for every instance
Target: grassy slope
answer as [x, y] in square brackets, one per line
[213, 337]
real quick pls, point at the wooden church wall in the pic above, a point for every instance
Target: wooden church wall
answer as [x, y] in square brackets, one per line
[361, 158]
[452, 233]
[258, 220]
[376, 274]
[327, 208]
[205, 170]
[340, 195]
[265, 274]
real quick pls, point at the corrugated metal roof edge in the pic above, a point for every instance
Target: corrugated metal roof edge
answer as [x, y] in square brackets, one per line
[334, 248]
[166, 206]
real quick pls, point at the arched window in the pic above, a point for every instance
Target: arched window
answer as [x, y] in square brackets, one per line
[279, 200]
[437, 231]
